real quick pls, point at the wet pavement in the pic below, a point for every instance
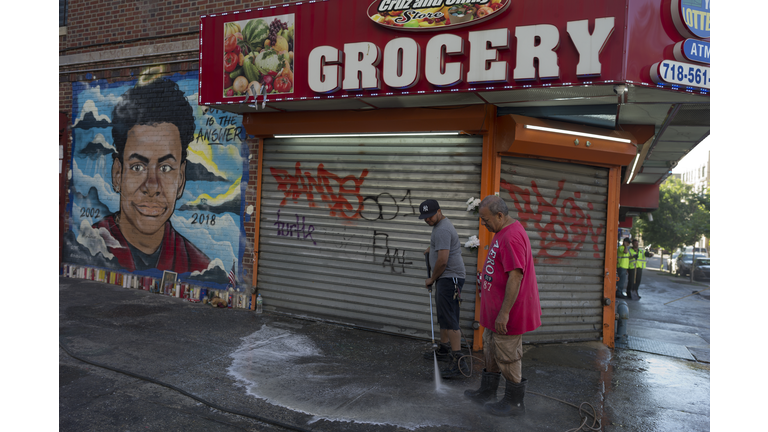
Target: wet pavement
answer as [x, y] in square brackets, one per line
[176, 359]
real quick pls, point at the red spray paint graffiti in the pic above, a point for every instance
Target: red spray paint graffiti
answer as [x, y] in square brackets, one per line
[294, 186]
[567, 215]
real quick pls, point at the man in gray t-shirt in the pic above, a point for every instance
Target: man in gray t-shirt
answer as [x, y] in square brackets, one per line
[448, 276]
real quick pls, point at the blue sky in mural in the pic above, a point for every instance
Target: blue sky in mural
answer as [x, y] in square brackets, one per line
[208, 213]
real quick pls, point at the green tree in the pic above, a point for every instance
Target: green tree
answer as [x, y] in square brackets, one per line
[681, 219]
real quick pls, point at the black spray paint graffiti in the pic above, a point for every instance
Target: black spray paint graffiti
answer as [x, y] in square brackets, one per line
[227, 133]
[390, 258]
[300, 229]
[387, 208]
[383, 202]
[356, 244]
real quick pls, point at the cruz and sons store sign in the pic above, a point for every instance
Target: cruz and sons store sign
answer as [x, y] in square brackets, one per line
[345, 48]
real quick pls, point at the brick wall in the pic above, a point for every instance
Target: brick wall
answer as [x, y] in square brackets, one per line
[93, 23]
[100, 29]
[65, 97]
[202, 201]
[251, 194]
[104, 26]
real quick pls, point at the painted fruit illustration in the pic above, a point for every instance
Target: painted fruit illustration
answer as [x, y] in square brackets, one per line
[484, 11]
[256, 51]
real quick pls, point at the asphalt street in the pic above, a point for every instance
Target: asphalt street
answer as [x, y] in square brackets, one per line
[131, 360]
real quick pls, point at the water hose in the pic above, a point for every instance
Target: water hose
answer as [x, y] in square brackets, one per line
[431, 323]
[431, 320]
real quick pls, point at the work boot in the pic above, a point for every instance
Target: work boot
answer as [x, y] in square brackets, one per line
[512, 403]
[455, 368]
[443, 352]
[635, 295]
[620, 295]
[487, 391]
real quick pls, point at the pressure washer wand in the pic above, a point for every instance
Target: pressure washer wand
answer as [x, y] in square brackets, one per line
[431, 320]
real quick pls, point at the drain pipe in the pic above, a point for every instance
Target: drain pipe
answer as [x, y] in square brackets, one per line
[622, 317]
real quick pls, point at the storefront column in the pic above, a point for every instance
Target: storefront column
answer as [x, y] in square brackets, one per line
[515, 139]
[611, 239]
[256, 216]
[489, 185]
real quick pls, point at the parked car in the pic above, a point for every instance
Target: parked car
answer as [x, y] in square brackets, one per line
[671, 260]
[698, 250]
[701, 270]
[683, 264]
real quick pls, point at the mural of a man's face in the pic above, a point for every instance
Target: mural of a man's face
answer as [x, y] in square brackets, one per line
[150, 180]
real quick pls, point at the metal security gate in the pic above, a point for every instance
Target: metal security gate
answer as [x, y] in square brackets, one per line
[563, 209]
[340, 237]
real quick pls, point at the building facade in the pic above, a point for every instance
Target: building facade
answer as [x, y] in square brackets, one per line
[106, 49]
[699, 179]
[305, 146]
[699, 176]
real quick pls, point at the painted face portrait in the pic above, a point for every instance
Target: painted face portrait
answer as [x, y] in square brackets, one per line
[150, 179]
[155, 181]
[149, 174]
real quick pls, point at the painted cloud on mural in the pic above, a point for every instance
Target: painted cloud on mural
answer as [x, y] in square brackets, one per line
[97, 148]
[90, 117]
[96, 240]
[207, 214]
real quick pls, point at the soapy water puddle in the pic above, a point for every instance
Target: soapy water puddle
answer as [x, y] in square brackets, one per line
[289, 370]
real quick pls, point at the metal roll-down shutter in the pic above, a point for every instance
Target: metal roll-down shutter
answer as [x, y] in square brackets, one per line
[340, 237]
[563, 209]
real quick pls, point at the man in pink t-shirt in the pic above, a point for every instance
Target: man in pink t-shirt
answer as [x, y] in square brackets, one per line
[509, 307]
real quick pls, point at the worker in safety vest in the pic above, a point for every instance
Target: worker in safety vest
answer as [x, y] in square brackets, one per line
[637, 261]
[622, 268]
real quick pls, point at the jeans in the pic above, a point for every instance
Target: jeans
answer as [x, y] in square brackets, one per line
[621, 285]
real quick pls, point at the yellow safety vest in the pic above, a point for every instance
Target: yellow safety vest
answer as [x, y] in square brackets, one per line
[623, 258]
[638, 259]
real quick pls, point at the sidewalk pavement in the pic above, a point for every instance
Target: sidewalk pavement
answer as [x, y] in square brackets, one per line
[283, 373]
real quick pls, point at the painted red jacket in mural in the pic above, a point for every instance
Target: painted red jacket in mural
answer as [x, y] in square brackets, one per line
[177, 254]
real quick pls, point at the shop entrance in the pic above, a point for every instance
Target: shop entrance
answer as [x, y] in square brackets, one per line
[340, 237]
[563, 208]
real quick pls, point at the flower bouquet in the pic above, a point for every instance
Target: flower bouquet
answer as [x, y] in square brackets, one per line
[473, 205]
[473, 243]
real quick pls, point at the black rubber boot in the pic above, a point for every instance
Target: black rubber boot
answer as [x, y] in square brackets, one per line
[635, 295]
[487, 391]
[512, 404]
[443, 352]
[620, 295]
[456, 368]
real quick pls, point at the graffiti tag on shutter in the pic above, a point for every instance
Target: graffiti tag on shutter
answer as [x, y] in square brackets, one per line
[565, 213]
[391, 258]
[334, 190]
[300, 228]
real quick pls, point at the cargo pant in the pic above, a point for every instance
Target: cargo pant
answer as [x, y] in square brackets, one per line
[503, 353]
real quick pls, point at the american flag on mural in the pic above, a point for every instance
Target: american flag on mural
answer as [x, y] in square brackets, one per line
[232, 280]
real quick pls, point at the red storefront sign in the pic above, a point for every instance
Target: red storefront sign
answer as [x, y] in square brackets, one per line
[328, 49]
